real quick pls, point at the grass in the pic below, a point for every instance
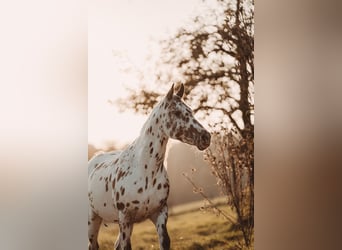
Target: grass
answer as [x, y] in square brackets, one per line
[188, 227]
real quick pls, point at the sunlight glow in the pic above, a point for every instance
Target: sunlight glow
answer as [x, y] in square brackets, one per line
[130, 29]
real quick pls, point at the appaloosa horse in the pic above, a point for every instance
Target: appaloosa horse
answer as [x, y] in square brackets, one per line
[132, 185]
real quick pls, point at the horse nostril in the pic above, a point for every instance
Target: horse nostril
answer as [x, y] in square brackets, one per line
[205, 137]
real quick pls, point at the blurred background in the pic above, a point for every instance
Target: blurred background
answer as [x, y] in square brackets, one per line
[123, 45]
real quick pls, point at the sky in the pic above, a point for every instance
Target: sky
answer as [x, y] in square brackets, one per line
[130, 29]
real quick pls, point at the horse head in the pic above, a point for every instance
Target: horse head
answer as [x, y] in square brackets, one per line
[180, 122]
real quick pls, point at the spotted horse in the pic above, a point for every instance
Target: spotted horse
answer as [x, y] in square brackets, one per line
[132, 185]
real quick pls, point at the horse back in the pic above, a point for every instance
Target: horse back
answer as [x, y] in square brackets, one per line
[101, 157]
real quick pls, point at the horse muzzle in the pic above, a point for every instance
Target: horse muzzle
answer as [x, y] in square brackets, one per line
[204, 140]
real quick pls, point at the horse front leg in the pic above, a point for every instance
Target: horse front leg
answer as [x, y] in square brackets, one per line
[159, 219]
[123, 242]
[94, 223]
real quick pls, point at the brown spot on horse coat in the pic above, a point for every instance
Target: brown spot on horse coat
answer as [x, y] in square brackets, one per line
[140, 190]
[120, 205]
[121, 174]
[122, 190]
[162, 202]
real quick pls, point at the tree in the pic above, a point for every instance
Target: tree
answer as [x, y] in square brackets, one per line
[214, 58]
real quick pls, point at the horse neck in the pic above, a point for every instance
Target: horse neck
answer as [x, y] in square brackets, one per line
[153, 140]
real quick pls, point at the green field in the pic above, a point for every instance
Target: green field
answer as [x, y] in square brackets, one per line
[188, 227]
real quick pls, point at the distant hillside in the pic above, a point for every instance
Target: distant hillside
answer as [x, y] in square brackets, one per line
[92, 149]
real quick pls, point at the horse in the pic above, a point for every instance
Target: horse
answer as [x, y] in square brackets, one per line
[132, 185]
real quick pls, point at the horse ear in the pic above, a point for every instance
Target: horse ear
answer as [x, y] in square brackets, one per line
[170, 93]
[180, 92]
